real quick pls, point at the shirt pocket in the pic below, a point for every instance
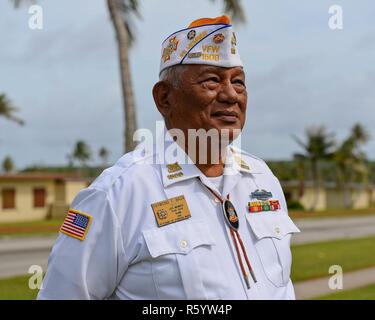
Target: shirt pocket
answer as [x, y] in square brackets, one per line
[181, 254]
[273, 231]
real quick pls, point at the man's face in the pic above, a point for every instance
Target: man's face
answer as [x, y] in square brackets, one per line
[208, 97]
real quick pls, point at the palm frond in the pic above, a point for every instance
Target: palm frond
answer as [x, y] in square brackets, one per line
[7, 110]
[234, 9]
[129, 9]
[17, 3]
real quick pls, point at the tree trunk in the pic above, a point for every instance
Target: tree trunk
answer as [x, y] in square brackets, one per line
[315, 176]
[126, 83]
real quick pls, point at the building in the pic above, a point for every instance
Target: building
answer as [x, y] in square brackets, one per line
[329, 195]
[27, 196]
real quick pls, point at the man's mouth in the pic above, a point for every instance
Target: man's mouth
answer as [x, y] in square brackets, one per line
[227, 116]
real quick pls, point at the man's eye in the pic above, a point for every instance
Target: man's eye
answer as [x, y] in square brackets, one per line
[212, 79]
[239, 82]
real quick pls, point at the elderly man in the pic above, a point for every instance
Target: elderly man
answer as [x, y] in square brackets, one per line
[151, 227]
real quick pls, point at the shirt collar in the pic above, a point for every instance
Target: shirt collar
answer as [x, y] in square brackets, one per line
[176, 165]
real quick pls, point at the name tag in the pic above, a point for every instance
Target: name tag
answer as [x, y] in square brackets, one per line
[171, 210]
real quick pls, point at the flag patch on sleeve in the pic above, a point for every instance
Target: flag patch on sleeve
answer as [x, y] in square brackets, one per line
[76, 224]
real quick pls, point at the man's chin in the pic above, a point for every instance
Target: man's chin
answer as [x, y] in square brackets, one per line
[229, 133]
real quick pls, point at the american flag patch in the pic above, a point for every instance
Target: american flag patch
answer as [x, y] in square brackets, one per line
[76, 224]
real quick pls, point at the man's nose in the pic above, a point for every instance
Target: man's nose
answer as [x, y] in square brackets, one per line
[227, 93]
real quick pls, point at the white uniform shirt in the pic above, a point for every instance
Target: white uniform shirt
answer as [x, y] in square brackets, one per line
[125, 255]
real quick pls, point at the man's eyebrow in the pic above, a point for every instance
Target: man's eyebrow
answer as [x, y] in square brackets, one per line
[208, 69]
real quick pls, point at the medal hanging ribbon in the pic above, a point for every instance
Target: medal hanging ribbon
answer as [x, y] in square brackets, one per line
[232, 221]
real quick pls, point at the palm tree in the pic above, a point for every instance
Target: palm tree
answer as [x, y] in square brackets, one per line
[7, 110]
[360, 135]
[82, 153]
[121, 12]
[317, 148]
[299, 162]
[234, 9]
[103, 155]
[351, 161]
[8, 164]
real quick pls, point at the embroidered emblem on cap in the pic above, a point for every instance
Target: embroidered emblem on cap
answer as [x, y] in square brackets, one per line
[193, 55]
[191, 34]
[233, 42]
[218, 38]
[170, 48]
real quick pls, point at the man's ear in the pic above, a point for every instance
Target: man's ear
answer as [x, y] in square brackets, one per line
[161, 93]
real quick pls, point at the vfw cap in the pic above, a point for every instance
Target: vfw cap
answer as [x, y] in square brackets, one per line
[210, 41]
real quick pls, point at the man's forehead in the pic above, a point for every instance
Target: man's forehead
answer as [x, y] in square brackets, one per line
[203, 69]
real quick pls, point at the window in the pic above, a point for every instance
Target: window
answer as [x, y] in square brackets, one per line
[9, 198]
[39, 198]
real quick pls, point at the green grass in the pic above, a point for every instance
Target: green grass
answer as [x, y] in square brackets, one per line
[365, 293]
[30, 228]
[331, 213]
[313, 260]
[17, 288]
[44, 222]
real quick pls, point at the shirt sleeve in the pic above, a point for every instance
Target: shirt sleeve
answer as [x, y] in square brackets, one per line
[290, 291]
[93, 267]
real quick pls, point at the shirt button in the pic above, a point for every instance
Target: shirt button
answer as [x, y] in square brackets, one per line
[183, 244]
[277, 230]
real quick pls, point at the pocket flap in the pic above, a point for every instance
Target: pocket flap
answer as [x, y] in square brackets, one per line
[180, 237]
[274, 225]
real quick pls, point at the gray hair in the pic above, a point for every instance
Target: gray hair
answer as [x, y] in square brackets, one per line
[173, 75]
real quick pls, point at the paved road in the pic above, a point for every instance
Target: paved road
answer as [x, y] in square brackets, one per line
[18, 254]
[319, 287]
[315, 230]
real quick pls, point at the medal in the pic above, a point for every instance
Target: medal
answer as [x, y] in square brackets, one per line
[230, 215]
[261, 194]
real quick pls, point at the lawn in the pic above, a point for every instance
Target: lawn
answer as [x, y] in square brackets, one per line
[332, 213]
[27, 228]
[17, 288]
[313, 260]
[365, 293]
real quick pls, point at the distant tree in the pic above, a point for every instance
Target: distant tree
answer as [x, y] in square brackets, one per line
[70, 159]
[103, 155]
[8, 164]
[82, 153]
[299, 161]
[318, 147]
[7, 110]
[350, 160]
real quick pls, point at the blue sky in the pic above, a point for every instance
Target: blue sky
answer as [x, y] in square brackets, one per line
[65, 78]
